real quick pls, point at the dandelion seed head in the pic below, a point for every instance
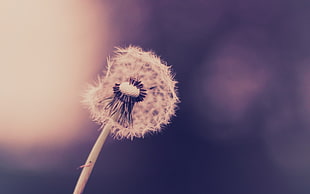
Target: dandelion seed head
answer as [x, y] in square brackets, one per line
[136, 96]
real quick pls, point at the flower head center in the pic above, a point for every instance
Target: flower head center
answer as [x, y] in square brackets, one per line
[128, 89]
[125, 96]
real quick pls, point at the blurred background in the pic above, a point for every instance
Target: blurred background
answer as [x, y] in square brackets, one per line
[243, 68]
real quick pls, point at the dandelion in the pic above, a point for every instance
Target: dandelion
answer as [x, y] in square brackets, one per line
[136, 96]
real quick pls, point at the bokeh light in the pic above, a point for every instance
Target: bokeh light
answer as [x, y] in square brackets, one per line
[231, 83]
[49, 50]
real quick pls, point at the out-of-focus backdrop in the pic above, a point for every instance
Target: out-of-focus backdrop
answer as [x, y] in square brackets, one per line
[243, 68]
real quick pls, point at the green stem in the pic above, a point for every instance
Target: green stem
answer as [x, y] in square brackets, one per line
[91, 160]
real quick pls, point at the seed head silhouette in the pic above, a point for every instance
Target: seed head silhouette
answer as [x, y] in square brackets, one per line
[136, 96]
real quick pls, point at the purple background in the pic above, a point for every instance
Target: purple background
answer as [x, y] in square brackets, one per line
[243, 123]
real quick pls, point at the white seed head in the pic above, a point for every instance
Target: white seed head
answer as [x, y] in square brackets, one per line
[129, 90]
[150, 99]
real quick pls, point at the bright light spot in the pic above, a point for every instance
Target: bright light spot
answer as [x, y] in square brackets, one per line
[48, 51]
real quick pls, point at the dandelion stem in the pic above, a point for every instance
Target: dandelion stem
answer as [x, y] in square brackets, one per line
[91, 160]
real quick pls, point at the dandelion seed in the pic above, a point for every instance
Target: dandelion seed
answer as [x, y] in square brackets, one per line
[136, 96]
